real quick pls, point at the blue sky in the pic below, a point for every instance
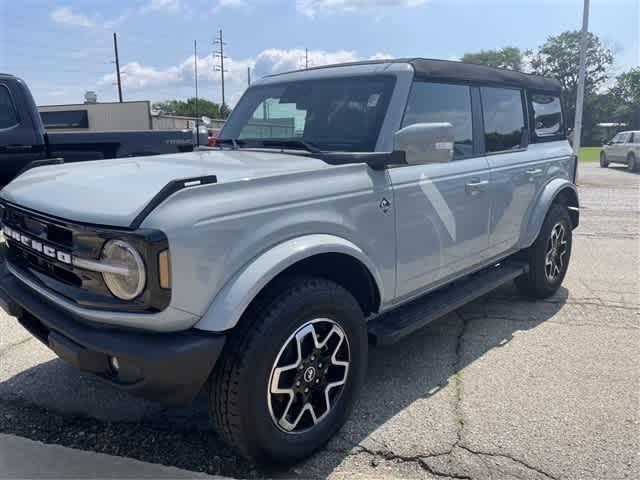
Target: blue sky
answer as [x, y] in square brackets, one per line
[63, 48]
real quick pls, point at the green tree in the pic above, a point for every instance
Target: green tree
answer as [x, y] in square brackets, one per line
[188, 108]
[507, 57]
[625, 97]
[559, 57]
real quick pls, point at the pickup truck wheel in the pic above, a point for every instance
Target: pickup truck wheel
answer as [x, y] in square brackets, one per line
[604, 163]
[291, 371]
[632, 163]
[549, 255]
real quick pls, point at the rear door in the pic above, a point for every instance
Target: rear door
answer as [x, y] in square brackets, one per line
[516, 174]
[442, 209]
[619, 147]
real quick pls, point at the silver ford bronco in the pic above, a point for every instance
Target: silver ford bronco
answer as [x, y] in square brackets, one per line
[343, 206]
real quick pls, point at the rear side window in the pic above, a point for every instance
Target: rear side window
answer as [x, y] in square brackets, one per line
[547, 117]
[440, 102]
[8, 114]
[504, 126]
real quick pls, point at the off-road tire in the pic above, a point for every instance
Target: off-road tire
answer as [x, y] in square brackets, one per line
[604, 163]
[238, 400]
[632, 162]
[536, 283]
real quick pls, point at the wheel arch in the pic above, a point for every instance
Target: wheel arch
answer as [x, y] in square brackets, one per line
[326, 256]
[557, 191]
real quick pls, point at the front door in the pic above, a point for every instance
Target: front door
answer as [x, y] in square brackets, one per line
[442, 209]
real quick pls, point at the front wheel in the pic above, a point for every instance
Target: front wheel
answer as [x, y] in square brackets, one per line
[291, 371]
[549, 255]
[604, 163]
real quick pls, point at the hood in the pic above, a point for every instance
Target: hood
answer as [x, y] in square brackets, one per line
[113, 192]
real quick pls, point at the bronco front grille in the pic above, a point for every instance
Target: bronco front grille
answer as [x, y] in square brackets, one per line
[38, 227]
[27, 228]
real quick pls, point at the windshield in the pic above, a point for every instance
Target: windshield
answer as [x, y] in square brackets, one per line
[340, 114]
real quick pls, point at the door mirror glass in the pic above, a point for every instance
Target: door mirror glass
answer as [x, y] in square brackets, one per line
[426, 142]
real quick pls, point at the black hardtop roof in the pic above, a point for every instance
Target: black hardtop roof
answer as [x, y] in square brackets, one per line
[448, 70]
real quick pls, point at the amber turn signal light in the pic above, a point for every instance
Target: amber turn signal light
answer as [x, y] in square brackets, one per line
[164, 268]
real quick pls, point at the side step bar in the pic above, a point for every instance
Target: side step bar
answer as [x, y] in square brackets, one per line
[392, 326]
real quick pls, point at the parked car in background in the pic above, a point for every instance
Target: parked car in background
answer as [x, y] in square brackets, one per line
[344, 205]
[24, 140]
[623, 148]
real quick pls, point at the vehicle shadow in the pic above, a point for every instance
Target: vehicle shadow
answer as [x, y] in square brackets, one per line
[53, 403]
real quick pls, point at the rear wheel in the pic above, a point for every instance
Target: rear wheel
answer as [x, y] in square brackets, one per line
[632, 163]
[549, 255]
[604, 163]
[291, 371]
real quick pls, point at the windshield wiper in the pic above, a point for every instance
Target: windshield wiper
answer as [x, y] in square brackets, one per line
[293, 143]
[290, 143]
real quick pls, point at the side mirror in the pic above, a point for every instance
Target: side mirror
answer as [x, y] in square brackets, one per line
[425, 143]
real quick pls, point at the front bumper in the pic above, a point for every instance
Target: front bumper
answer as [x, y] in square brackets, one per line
[169, 367]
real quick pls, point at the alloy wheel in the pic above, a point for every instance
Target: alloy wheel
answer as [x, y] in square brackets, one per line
[308, 375]
[554, 260]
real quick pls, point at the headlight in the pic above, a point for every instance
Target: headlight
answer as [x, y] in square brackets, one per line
[129, 283]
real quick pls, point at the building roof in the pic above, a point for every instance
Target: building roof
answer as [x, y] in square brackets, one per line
[433, 69]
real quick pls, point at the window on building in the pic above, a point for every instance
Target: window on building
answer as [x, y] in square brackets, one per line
[504, 126]
[441, 102]
[65, 119]
[8, 114]
[547, 116]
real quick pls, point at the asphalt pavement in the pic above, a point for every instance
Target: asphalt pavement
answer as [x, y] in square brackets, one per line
[505, 388]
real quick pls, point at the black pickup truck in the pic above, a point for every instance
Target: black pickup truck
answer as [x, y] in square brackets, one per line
[23, 139]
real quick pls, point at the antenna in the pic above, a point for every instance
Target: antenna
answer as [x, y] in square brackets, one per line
[220, 68]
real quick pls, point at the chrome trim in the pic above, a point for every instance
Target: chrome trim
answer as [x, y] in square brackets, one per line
[164, 321]
[97, 266]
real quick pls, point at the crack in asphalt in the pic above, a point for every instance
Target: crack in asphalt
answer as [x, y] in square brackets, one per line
[423, 460]
[8, 348]
[508, 457]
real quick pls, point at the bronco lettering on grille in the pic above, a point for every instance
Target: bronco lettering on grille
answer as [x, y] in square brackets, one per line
[36, 245]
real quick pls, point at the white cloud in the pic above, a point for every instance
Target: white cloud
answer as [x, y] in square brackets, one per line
[164, 6]
[140, 79]
[222, 4]
[66, 16]
[311, 8]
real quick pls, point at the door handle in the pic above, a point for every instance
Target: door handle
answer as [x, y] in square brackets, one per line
[476, 186]
[534, 171]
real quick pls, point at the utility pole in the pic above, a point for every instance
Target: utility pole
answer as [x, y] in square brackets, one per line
[220, 54]
[248, 76]
[115, 48]
[306, 58]
[195, 74]
[577, 124]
